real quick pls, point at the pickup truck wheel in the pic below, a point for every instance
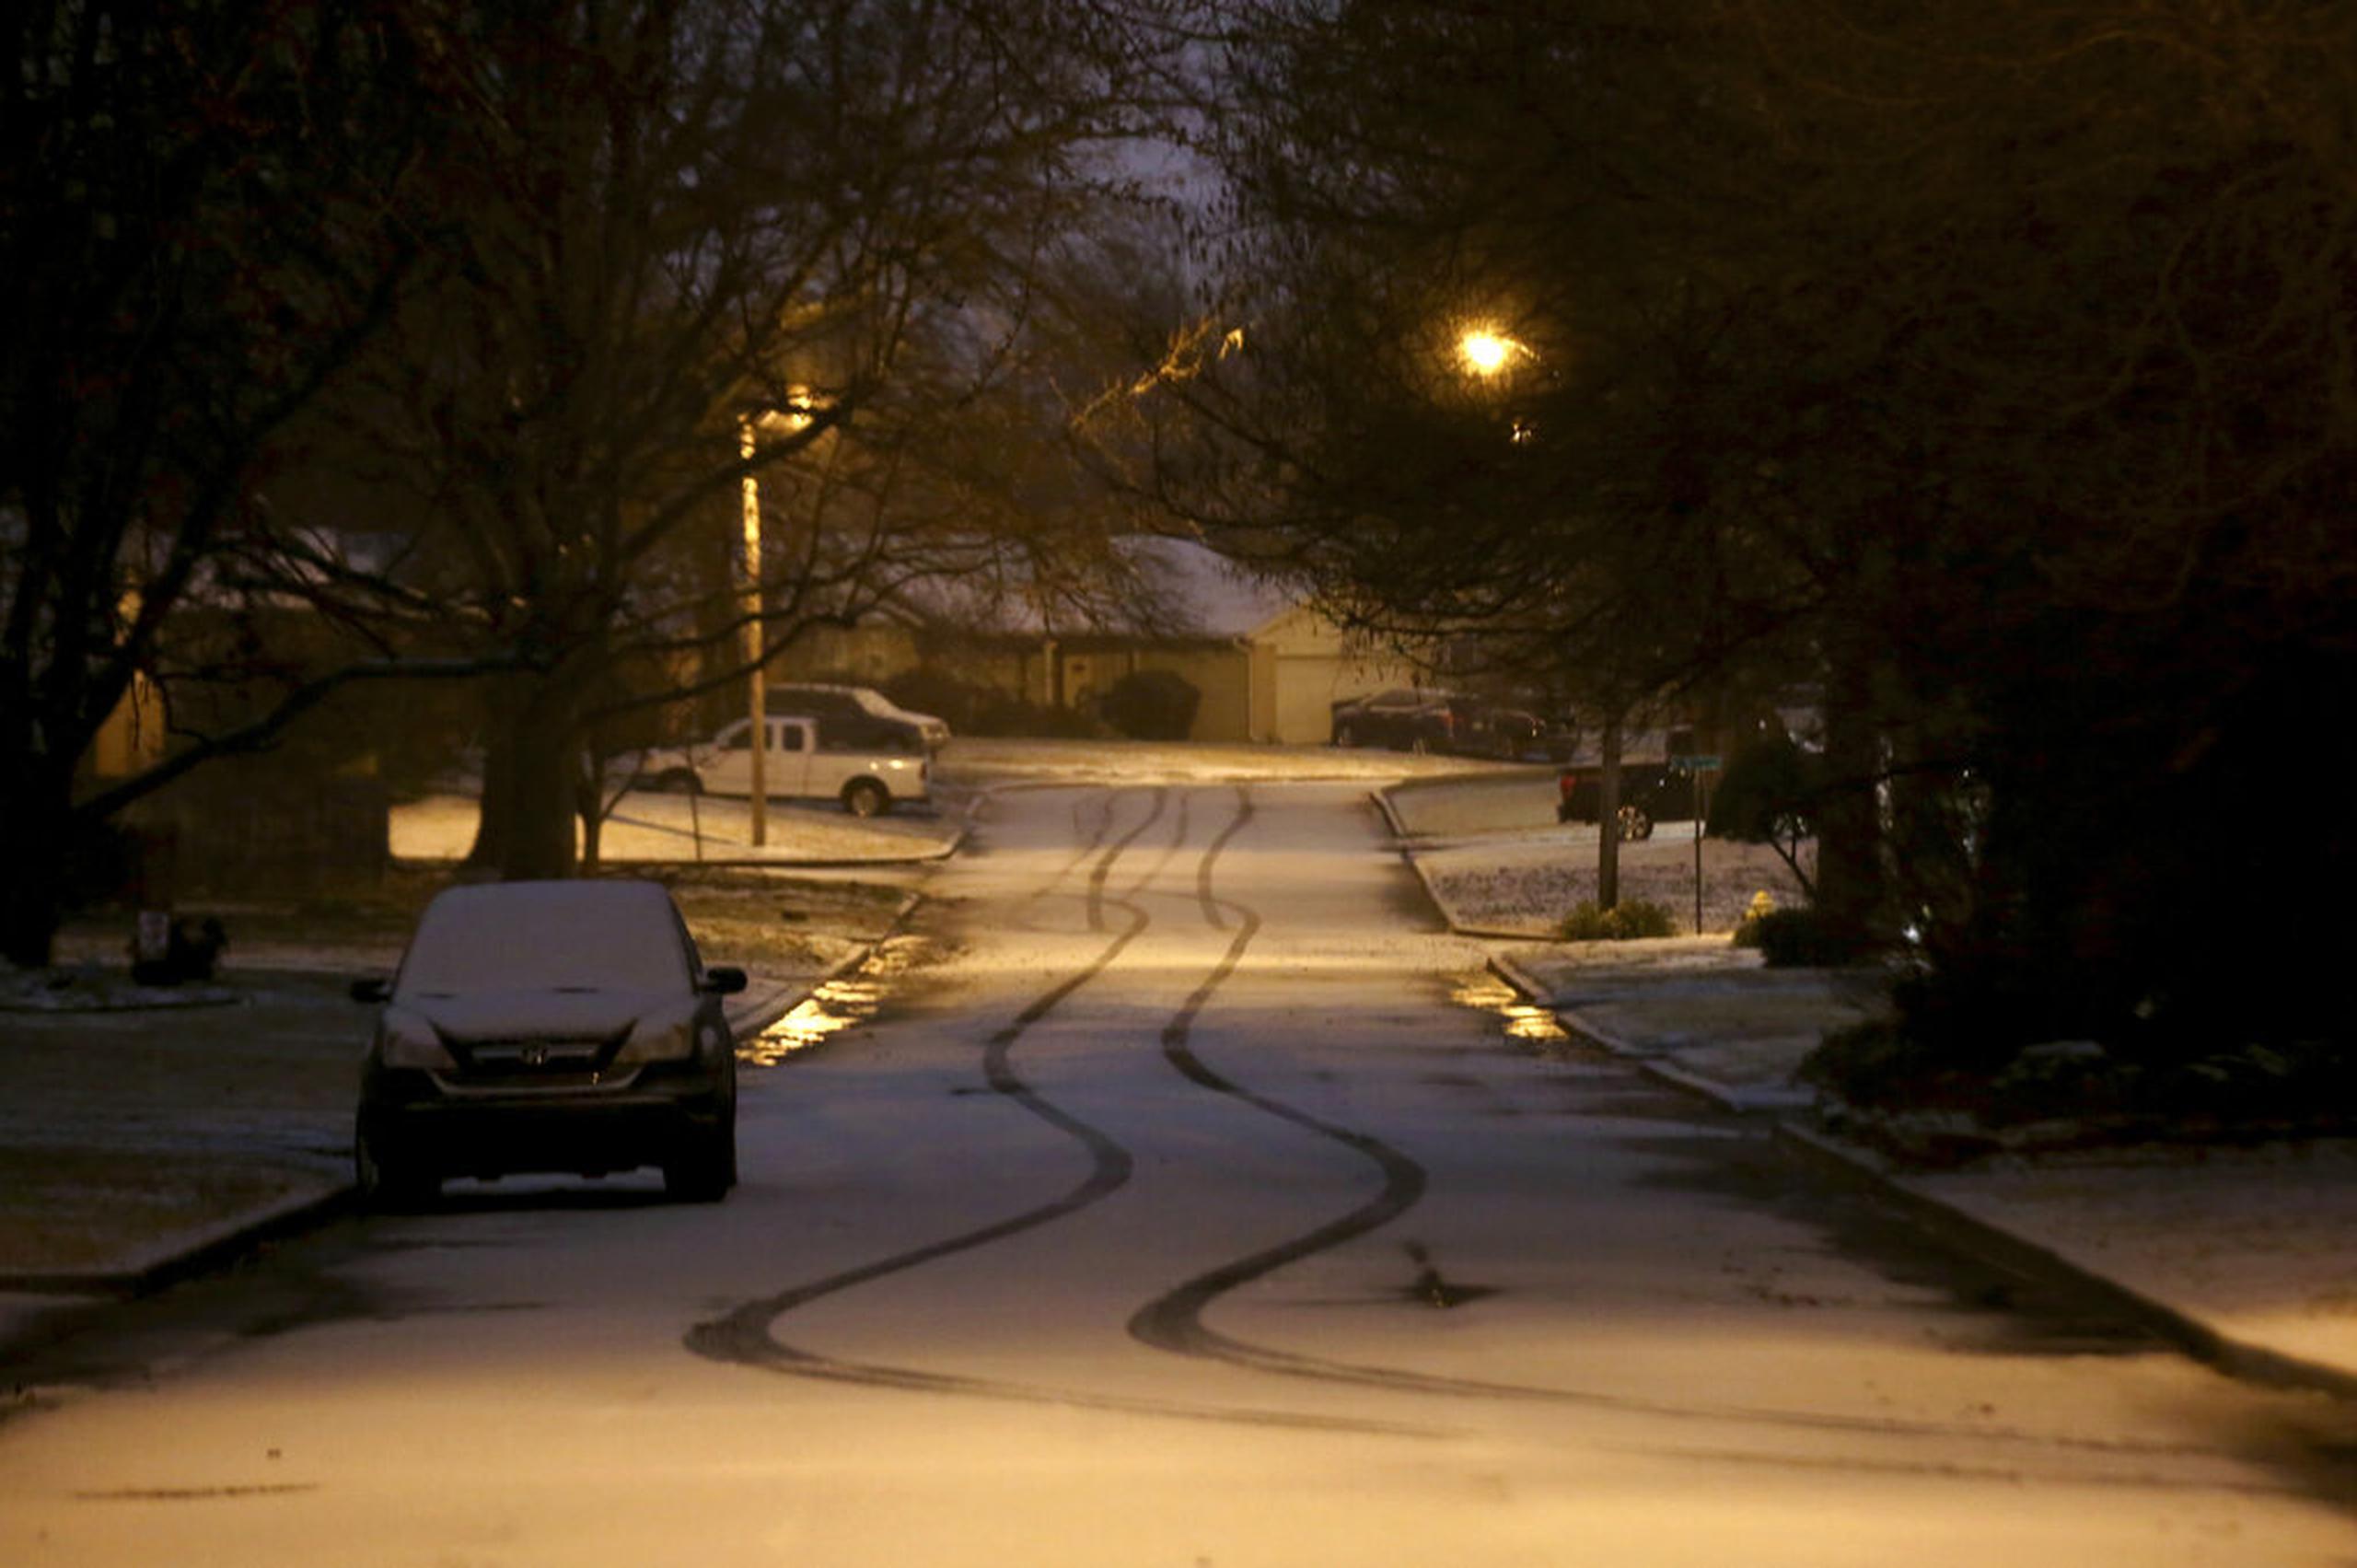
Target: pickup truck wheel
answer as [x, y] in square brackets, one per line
[1636, 824]
[866, 797]
[679, 781]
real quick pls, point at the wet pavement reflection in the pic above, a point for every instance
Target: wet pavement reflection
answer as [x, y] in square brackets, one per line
[1521, 1020]
[848, 999]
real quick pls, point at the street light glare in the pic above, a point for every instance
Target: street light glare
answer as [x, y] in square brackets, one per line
[1487, 353]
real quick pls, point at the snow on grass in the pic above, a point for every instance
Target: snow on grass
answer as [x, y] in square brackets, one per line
[1497, 860]
[1526, 885]
[78, 989]
[648, 826]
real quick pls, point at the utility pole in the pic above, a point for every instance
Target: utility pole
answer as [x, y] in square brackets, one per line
[757, 736]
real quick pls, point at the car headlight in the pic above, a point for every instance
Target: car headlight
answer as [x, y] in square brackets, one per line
[406, 1039]
[659, 1040]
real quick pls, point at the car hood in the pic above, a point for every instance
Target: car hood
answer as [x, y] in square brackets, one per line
[523, 1014]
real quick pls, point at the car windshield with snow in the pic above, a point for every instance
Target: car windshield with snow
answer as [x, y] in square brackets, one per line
[561, 1026]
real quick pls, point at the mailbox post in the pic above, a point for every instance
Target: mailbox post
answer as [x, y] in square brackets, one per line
[1699, 768]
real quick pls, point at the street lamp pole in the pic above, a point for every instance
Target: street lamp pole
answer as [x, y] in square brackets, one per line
[757, 735]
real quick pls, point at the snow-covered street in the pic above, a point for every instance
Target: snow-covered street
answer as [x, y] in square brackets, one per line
[1186, 1200]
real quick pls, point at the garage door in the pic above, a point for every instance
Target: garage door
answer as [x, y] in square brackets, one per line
[1308, 686]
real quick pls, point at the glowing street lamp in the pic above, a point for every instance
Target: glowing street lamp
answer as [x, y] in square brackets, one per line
[1487, 353]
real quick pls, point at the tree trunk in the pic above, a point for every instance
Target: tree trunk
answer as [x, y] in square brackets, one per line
[39, 836]
[491, 821]
[1849, 823]
[1608, 815]
[31, 894]
[529, 781]
[588, 804]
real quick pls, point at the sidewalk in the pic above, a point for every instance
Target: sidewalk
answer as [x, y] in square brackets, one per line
[2241, 1256]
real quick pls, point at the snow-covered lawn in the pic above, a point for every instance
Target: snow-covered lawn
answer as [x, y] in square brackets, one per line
[1497, 859]
[646, 825]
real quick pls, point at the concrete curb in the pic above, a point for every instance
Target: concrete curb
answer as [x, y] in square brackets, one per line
[146, 1005]
[1993, 1244]
[1970, 1232]
[1407, 850]
[166, 1262]
[1727, 1096]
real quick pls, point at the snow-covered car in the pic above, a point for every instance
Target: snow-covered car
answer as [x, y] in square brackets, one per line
[566, 1026]
[826, 701]
[868, 772]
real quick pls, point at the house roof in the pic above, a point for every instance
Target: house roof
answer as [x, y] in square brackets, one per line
[1159, 587]
[1214, 597]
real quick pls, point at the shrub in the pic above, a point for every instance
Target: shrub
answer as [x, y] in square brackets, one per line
[1869, 1063]
[1622, 923]
[1153, 704]
[973, 709]
[1746, 930]
[1768, 794]
[1795, 939]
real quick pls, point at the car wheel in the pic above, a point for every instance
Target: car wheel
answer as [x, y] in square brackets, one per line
[866, 797]
[389, 1184]
[679, 781]
[704, 1173]
[1636, 824]
[1418, 746]
[1345, 736]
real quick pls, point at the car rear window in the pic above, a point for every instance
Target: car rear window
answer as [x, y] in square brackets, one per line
[584, 935]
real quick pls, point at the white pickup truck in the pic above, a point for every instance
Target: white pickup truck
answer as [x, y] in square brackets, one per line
[868, 780]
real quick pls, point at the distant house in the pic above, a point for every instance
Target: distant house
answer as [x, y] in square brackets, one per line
[1268, 667]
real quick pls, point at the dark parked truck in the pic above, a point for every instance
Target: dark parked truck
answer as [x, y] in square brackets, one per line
[1650, 792]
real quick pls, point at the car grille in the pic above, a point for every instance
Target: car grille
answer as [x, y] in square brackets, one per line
[550, 1064]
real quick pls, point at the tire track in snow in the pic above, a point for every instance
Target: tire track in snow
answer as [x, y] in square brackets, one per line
[746, 1336]
[1174, 1320]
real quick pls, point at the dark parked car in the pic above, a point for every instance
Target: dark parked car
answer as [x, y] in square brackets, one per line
[1518, 732]
[1408, 719]
[549, 1026]
[864, 716]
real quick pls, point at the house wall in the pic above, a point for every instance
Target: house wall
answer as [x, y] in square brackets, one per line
[1302, 664]
[1220, 671]
[860, 655]
[131, 739]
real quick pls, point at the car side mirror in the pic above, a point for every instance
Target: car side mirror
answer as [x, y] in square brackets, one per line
[372, 991]
[723, 979]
